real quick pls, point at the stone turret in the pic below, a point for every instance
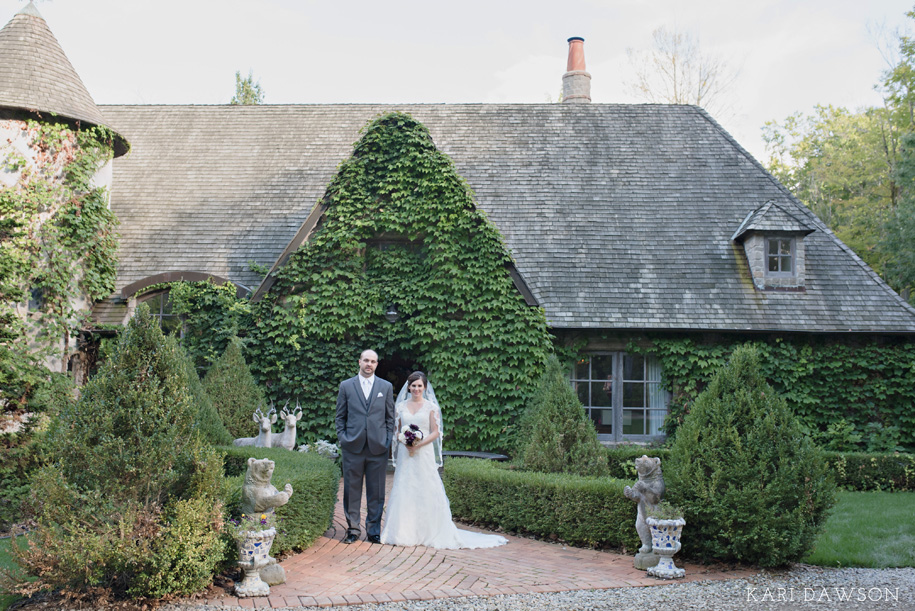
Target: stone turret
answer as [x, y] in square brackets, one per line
[38, 83]
[576, 82]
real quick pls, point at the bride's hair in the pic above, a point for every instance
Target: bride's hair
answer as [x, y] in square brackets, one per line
[417, 375]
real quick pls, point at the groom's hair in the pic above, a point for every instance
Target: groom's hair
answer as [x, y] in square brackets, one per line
[417, 375]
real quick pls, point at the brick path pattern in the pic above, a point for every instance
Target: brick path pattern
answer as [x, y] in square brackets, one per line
[331, 574]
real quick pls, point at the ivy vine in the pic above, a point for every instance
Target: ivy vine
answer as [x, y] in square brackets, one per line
[400, 227]
[58, 246]
[862, 393]
[211, 313]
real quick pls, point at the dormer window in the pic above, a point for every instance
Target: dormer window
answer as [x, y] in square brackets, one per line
[780, 256]
[773, 241]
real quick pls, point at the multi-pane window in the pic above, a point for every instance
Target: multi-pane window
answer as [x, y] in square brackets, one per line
[593, 379]
[622, 394]
[779, 256]
[160, 308]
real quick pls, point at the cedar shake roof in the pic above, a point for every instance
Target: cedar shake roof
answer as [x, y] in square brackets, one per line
[618, 216]
[36, 76]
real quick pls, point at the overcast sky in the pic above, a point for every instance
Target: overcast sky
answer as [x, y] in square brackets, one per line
[792, 54]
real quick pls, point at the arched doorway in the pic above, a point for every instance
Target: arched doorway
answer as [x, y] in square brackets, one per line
[396, 368]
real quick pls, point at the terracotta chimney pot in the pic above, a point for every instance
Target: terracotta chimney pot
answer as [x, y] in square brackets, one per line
[576, 83]
[576, 54]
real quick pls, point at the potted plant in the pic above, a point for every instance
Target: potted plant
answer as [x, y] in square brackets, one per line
[666, 523]
[253, 535]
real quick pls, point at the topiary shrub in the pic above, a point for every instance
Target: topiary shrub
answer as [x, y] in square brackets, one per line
[232, 388]
[207, 421]
[560, 436]
[129, 502]
[752, 485]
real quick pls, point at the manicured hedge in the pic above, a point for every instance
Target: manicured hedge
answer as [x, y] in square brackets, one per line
[583, 511]
[861, 471]
[315, 481]
[851, 470]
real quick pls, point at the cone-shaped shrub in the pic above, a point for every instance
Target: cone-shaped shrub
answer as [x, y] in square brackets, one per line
[556, 435]
[752, 485]
[208, 422]
[129, 502]
[235, 395]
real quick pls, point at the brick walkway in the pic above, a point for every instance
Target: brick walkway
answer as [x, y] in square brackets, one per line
[333, 574]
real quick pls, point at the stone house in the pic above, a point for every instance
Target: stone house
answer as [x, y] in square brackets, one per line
[623, 220]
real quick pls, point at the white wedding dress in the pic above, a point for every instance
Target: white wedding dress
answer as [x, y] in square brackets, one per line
[418, 512]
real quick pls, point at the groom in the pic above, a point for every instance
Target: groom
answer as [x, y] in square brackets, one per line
[365, 428]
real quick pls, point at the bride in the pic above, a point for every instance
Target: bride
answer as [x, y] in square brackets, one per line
[418, 511]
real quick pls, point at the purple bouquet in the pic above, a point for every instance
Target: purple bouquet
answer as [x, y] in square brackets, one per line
[410, 435]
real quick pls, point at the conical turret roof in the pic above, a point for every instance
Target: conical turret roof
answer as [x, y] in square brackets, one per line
[36, 76]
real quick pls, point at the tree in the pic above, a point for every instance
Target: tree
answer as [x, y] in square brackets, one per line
[752, 485]
[676, 71]
[850, 168]
[233, 391]
[839, 164]
[247, 92]
[899, 235]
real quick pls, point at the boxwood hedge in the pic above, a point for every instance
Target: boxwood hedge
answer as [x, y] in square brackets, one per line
[583, 511]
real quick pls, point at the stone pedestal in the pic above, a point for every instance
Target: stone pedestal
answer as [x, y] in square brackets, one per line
[644, 561]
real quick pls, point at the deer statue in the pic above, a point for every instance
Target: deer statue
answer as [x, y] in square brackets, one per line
[286, 439]
[264, 432]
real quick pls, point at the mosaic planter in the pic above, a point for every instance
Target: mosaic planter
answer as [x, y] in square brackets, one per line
[665, 542]
[254, 555]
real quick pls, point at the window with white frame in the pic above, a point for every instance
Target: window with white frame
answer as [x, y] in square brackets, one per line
[622, 394]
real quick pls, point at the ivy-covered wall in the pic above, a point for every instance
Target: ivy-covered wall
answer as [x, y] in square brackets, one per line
[852, 393]
[58, 246]
[400, 227]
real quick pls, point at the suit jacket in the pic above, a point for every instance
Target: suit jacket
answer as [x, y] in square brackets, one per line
[362, 423]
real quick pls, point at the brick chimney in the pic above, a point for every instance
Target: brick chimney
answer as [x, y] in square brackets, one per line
[576, 83]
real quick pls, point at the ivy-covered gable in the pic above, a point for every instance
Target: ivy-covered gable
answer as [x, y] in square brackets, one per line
[400, 231]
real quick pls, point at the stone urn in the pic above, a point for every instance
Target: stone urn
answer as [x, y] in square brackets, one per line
[665, 542]
[254, 556]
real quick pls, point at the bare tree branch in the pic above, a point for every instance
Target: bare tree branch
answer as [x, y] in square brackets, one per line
[675, 71]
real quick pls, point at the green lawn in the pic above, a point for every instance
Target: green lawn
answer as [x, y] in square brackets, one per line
[6, 562]
[868, 529]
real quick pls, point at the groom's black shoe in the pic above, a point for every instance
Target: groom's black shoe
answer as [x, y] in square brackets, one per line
[350, 538]
[374, 539]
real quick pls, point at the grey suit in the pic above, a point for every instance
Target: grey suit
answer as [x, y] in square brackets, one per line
[365, 430]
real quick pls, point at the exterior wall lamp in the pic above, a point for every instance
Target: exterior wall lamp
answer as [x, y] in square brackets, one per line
[391, 314]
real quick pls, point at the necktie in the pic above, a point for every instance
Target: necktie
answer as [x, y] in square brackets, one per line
[366, 387]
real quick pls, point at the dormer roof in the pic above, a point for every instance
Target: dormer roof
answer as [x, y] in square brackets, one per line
[36, 76]
[772, 218]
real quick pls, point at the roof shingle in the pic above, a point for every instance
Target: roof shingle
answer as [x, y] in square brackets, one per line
[618, 216]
